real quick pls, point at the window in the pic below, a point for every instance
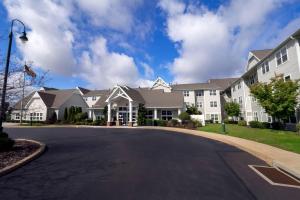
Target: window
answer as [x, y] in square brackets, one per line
[265, 67]
[199, 104]
[251, 79]
[17, 116]
[281, 56]
[214, 117]
[36, 116]
[240, 100]
[213, 92]
[85, 98]
[149, 114]
[186, 93]
[287, 78]
[234, 100]
[239, 85]
[255, 116]
[233, 88]
[94, 98]
[166, 115]
[213, 104]
[254, 99]
[199, 93]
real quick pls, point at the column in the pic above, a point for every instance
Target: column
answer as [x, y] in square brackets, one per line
[117, 117]
[179, 111]
[155, 113]
[109, 114]
[130, 123]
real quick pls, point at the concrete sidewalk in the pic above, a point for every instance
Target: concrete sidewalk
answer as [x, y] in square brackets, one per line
[276, 157]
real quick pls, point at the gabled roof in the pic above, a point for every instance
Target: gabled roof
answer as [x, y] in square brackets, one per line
[161, 99]
[61, 96]
[261, 54]
[133, 94]
[92, 93]
[83, 90]
[223, 83]
[196, 86]
[26, 99]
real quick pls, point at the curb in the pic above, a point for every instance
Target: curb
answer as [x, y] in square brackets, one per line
[226, 139]
[25, 160]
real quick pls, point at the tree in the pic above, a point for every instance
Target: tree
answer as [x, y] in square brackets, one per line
[232, 109]
[66, 114]
[71, 114]
[184, 116]
[142, 115]
[278, 98]
[192, 110]
[53, 118]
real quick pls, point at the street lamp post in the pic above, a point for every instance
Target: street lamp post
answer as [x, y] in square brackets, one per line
[23, 38]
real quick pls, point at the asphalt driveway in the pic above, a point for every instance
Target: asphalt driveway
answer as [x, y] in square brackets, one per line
[98, 163]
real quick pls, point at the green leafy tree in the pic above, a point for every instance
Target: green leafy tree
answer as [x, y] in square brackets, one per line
[184, 116]
[232, 109]
[72, 114]
[66, 114]
[192, 110]
[278, 98]
[142, 115]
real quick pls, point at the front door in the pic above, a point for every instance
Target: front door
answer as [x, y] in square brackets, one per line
[123, 118]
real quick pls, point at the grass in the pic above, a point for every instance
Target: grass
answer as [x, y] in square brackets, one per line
[286, 140]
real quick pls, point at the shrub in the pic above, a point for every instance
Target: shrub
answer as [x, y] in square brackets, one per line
[173, 123]
[184, 116]
[5, 142]
[149, 122]
[242, 123]
[81, 116]
[53, 118]
[298, 128]
[96, 122]
[266, 124]
[277, 126]
[255, 124]
[161, 122]
[197, 123]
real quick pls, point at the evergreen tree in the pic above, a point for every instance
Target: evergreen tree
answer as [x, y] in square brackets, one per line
[142, 115]
[66, 114]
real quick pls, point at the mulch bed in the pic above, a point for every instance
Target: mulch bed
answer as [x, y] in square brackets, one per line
[21, 149]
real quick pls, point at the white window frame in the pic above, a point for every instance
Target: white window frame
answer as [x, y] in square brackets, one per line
[279, 52]
[212, 92]
[214, 117]
[17, 116]
[288, 75]
[167, 115]
[239, 85]
[199, 93]
[255, 116]
[240, 100]
[186, 93]
[265, 67]
[94, 98]
[199, 104]
[213, 104]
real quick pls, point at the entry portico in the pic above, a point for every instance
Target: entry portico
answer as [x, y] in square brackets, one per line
[121, 108]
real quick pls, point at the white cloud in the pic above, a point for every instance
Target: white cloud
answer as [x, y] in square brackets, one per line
[51, 33]
[104, 69]
[115, 14]
[148, 70]
[213, 43]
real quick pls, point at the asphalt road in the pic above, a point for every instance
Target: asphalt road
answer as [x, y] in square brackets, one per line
[106, 164]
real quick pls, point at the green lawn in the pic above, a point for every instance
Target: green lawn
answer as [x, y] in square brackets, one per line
[282, 139]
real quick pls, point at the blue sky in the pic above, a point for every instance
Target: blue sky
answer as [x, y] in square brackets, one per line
[100, 43]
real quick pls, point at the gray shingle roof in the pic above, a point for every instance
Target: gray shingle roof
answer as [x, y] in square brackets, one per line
[195, 86]
[92, 93]
[223, 83]
[26, 99]
[261, 54]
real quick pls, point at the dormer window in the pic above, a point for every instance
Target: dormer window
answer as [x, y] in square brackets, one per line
[94, 98]
[281, 56]
[265, 67]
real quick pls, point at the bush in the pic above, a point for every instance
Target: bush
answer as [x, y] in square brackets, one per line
[242, 123]
[298, 128]
[266, 124]
[81, 116]
[184, 116]
[197, 123]
[161, 122]
[277, 126]
[149, 122]
[173, 123]
[5, 142]
[255, 124]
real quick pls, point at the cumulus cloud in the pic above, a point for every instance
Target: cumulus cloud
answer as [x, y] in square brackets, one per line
[213, 43]
[50, 36]
[54, 39]
[148, 70]
[104, 69]
[116, 14]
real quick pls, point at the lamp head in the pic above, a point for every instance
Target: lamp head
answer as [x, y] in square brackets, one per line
[23, 37]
